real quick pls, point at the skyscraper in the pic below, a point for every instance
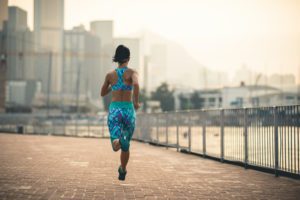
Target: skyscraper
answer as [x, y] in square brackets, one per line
[157, 65]
[104, 30]
[17, 19]
[18, 45]
[48, 28]
[83, 55]
[3, 12]
[3, 17]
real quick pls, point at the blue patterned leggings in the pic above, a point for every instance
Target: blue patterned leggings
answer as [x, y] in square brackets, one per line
[121, 120]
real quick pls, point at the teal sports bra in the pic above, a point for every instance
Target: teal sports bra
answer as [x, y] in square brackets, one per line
[120, 84]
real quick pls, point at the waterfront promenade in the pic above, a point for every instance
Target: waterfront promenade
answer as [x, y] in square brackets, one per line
[54, 167]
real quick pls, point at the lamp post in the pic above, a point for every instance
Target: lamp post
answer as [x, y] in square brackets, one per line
[49, 82]
[2, 81]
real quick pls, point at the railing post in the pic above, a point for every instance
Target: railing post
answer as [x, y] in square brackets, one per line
[148, 124]
[103, 125]
[246, 136]
[33, 127]
[64, 125]
[177, 131]
[222, 135]
[276, 139]
[53, 128]
[141, 125]
[88, 127]
[167, 133]
[157, 128]
[189, 130]
[204, 135]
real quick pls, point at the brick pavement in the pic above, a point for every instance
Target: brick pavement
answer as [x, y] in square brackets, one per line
[50, 167]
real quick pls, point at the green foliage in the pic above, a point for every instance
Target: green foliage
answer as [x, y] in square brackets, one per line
[193, 102]
[184, 102]
[196, 101]
[143, 99]
[165, 96]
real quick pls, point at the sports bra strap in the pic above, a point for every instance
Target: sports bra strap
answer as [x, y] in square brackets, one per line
[120, 83]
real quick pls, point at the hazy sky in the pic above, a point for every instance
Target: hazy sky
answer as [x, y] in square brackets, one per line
[220, 34]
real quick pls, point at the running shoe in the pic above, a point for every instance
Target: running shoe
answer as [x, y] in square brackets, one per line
[122, 174]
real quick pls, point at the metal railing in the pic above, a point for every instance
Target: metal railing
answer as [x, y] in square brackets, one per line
[264, 137]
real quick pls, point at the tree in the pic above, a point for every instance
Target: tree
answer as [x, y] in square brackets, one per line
[184, 102]
[196, 101]
[164, 96]
[143, 99]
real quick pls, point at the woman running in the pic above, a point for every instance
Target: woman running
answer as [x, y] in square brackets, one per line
[121, 117]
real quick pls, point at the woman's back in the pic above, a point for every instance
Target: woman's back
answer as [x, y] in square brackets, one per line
[121, 84]
[123, 81]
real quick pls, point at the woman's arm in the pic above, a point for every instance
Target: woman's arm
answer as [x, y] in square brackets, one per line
[106, 88]
[136, 90]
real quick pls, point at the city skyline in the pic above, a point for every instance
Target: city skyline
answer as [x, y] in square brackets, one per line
[86, 55]
[261, 34]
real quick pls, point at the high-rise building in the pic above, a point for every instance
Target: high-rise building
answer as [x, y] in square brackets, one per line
[17, 19]
[157, 65]
[104, 30]
[82, 61]
[17, 62]
[3, 17]
[48, 29]
[18, 43]
[3, 12]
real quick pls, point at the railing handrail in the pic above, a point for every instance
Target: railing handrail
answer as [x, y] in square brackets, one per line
[218, 109]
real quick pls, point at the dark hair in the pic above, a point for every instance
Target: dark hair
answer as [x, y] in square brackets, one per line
[122, 54]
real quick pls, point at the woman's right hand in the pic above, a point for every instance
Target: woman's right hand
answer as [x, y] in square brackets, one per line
[137, 106]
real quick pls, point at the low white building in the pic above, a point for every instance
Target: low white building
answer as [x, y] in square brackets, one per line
[277, 99]
[211, 98]
[245, 96]
[237, 97]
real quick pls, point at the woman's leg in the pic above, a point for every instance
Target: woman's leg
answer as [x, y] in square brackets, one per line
[128, 129]
[114, 124]
[124, 157]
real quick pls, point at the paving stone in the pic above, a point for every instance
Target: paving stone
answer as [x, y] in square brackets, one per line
[52, 167]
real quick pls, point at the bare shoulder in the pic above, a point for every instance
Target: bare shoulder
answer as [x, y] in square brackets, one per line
[110, 73]
[109, 76]
[134, 76]
[132, 71]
